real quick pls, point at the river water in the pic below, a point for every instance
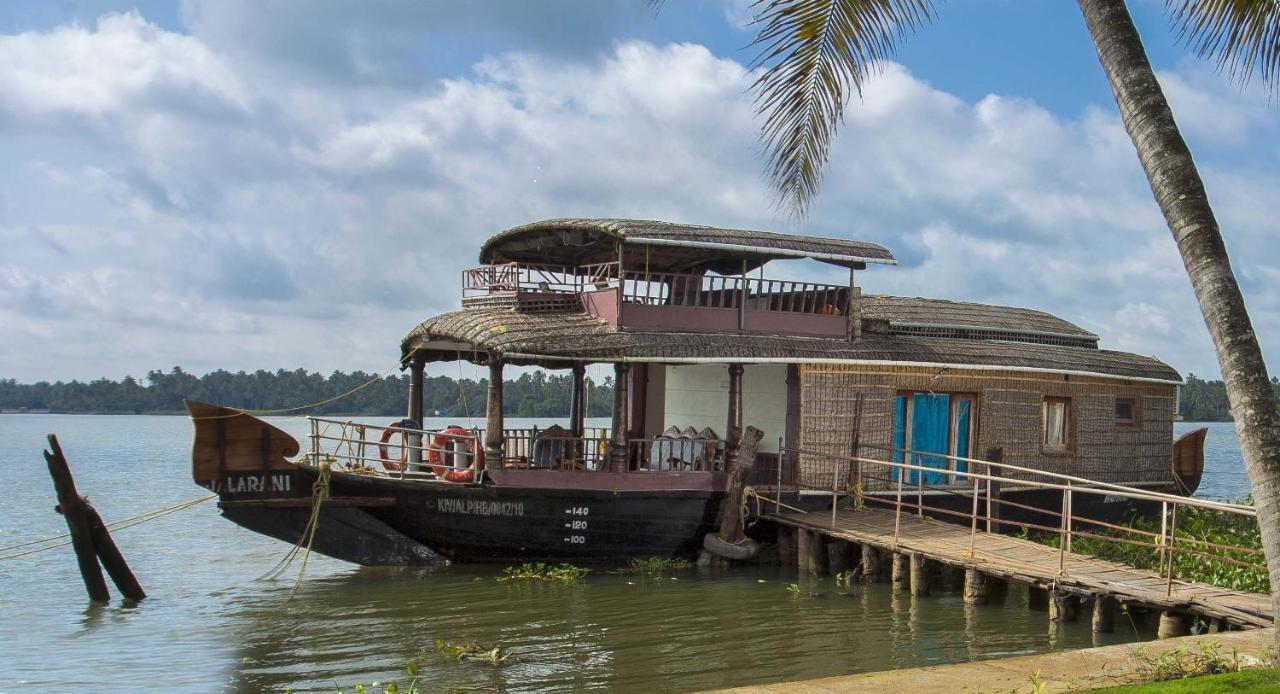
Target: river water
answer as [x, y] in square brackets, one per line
[211, 625]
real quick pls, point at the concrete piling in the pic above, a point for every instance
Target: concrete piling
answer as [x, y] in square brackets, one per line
[1063, 607]
[1173, 624]
[975, 587]
[901, 574]
[1104, 614]
[872, 564]
[919, 575]
[803, 555]
[786, 545]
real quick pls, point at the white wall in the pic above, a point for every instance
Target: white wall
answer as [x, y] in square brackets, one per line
[697, 395]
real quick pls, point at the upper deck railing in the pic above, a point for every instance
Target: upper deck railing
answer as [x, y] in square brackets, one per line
[686, 302]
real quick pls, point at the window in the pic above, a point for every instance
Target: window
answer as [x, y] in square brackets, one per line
[1057, 424]
[939, 423]
[1126, 412]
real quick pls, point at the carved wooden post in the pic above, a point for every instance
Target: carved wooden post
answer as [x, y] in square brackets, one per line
[731, 522]
[493, 438]
[618, 446]
[733, 428]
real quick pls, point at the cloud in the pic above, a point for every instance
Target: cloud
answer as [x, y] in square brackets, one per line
[200, 206]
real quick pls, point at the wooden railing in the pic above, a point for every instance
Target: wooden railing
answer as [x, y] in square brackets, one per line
[730, 291]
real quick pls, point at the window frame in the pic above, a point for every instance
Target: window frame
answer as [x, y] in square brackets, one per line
[1135, 404]
[1069, 439]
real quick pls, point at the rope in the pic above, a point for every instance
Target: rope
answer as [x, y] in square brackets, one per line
[123, 524]
[319, 492]
[237, 411]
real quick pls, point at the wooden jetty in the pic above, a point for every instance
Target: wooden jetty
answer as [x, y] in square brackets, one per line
[1014, 559]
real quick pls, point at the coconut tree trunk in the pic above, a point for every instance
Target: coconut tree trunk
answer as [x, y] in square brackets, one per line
[1179, 191]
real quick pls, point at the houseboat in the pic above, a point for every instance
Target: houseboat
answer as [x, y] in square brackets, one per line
[701, 343]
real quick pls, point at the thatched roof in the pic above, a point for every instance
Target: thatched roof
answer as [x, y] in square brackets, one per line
[547, 338]
[668, 247]
[941, 318]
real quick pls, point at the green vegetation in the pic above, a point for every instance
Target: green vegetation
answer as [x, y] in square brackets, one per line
[655, 565]
[563, 573]
[535, 394]
[1206, 669]
[445, 652]
[1195, 523]
[1246, 681]
[1206, 401]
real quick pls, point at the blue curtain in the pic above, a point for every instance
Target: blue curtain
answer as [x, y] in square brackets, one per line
[899, 432]
[930, 433]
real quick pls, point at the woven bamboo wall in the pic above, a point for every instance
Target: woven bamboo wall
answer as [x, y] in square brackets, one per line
[1008, 416]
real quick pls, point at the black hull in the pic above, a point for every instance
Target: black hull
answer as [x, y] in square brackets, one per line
[377, 521]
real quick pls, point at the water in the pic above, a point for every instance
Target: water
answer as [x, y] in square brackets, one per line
[210, 625]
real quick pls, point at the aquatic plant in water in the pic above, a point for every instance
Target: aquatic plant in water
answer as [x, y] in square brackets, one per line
[655, 565]
[563, 573]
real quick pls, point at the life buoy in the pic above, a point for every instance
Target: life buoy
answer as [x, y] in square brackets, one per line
[402, 463]
[446, 437]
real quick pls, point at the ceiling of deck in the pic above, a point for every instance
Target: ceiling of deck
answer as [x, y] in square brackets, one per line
[668, 247]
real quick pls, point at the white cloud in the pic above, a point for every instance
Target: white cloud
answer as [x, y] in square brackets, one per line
[195, 207]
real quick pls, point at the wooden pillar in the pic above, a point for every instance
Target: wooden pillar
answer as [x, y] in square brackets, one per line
[919, 575]
[731, 523]
[618, 445]
[577, 400]
[1173, 624]
[872, 564]
[493, 423]
[1063, 607]
[975, 587]
[1104, 614]
[901, 576]
[995, 455]
[417, 365]
[733, 427]
[786, 545]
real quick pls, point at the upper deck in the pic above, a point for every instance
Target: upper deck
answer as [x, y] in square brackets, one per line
[644, 275]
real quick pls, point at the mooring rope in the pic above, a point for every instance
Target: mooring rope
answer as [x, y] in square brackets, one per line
[319, 492]
[122, 524]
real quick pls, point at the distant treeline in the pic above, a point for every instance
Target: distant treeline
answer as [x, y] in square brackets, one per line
[1206, 401]
[536, 394]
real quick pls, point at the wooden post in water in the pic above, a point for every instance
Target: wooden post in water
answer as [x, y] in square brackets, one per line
[89, 536]
[1173, 624]
[803, 554]
[1063, 607]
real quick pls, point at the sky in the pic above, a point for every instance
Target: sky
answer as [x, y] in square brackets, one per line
[244, 185]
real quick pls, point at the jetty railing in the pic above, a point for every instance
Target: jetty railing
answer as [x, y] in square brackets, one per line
[978, 486]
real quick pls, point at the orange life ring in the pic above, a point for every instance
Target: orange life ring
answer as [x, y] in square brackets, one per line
[392, 429]
[435, 456]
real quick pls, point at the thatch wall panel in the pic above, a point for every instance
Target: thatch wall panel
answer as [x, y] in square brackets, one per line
[1008, 415]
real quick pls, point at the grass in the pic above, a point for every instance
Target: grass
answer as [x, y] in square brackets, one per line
[1263, 680]
[655, 565]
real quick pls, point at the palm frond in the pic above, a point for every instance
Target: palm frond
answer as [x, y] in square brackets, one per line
[814, 53]
[1241, 36]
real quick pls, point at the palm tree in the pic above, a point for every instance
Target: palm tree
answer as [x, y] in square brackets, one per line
[815, 53]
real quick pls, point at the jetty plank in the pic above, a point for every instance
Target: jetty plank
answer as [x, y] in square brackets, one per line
[1031, 563]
